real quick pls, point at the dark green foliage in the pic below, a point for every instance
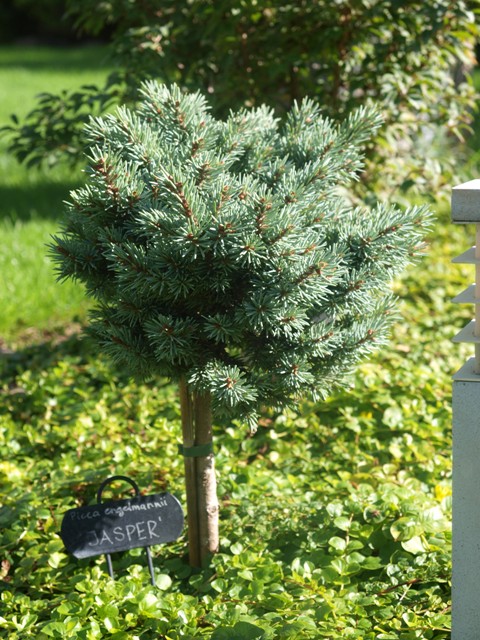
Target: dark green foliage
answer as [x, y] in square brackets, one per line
[409, 57]
[42, 21]
[223, 251]
[59, 116]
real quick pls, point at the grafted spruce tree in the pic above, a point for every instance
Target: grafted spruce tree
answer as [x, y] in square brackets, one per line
[222, 254]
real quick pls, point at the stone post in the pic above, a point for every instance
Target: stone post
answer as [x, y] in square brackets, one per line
[466, 439]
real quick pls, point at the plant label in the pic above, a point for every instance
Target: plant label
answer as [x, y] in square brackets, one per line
[121, 525]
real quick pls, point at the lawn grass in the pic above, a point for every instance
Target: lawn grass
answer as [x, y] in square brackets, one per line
[31, 199]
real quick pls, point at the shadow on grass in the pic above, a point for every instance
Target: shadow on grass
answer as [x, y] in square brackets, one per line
[71, 59]
[61, 363]
[39, 201]
[38, 349]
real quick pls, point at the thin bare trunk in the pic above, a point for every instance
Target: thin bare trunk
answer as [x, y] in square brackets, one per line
[201, 486]
[188, 431]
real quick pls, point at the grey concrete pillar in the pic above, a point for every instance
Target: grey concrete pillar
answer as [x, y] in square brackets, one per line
[466, 505]
[466, 439]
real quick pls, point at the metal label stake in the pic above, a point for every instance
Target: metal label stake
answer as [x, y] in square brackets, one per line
[104, 484]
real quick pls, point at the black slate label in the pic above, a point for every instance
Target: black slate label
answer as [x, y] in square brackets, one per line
[122, 524]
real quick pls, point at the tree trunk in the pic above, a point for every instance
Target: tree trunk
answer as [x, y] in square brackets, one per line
[200, 481]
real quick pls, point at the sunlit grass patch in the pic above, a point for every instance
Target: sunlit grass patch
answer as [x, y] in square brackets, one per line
[29, 295]
[31, 200]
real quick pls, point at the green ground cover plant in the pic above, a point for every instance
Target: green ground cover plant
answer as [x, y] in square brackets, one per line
[335, 516]
[29, 295]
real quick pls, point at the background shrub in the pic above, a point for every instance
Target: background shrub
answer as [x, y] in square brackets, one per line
[33, 19]
[410, 57]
